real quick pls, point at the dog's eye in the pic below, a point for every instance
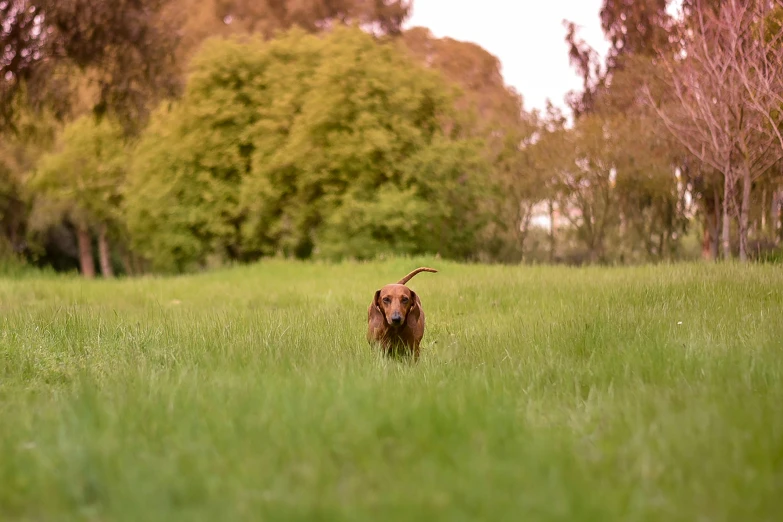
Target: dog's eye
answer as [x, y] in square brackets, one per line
[386, 300]
[404, 300]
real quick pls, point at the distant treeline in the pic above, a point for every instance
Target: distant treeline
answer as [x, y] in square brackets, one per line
[324, 130]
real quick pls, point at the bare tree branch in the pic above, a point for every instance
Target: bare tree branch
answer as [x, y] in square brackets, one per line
[727, 92]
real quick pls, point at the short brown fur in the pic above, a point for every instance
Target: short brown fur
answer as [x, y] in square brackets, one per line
[395, 318]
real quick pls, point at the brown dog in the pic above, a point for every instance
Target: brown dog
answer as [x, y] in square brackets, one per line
[395, 318]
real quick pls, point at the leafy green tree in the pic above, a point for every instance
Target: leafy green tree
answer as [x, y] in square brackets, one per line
[185, 193]
[650, 196]
[122, 43]
[585, 183]
[35, 134]
[81, 182]
[275, 144]
[525, 171]
[490, 110]
[12, 211]
[438, 207]
[369, 111]
[178, 210]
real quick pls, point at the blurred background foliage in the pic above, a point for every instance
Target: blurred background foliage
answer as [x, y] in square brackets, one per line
[175, 135]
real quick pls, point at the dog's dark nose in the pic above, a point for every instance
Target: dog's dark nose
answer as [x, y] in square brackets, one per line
[396, 318]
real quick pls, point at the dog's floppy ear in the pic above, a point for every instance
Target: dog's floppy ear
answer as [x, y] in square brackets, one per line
[414, 313]
[376, 316]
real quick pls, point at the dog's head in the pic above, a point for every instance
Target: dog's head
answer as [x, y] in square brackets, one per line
[398, 305]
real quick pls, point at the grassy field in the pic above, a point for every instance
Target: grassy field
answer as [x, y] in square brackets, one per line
[633, 394]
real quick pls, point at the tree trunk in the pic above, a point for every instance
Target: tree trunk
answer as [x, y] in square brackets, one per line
[710, 239]
[715, 246]
[86, 260]
[726, 217]
[523, 226]
[775, 215]
[552, 231]
[593, 254]
[744, 214]
[127, 263]
[706, 240]
[136, 264]
[104, 252]
[669, 231]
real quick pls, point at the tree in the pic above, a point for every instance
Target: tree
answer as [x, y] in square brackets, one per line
[81, 182]
[437, 213]
[716, 117]
[271, 16]
[650, 195]
[636, 28]
[585, 179]
[647, 161]
[35, 134]
[191, 166]
[495, 108]
[287, 145]
[121, 43]
[585, 60]
[525, 168]
[12, 210]
[488, 109]
[369, 113]
[201, 19]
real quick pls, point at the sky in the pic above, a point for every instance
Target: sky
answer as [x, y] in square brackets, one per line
[527, 36]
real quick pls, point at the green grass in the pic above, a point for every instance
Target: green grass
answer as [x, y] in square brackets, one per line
[630, 394]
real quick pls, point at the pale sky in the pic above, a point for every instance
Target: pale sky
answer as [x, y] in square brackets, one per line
[527, 36]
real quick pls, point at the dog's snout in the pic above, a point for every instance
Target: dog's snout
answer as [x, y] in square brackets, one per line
[396, 318]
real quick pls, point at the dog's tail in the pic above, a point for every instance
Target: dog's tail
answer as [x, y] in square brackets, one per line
[410, 276]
